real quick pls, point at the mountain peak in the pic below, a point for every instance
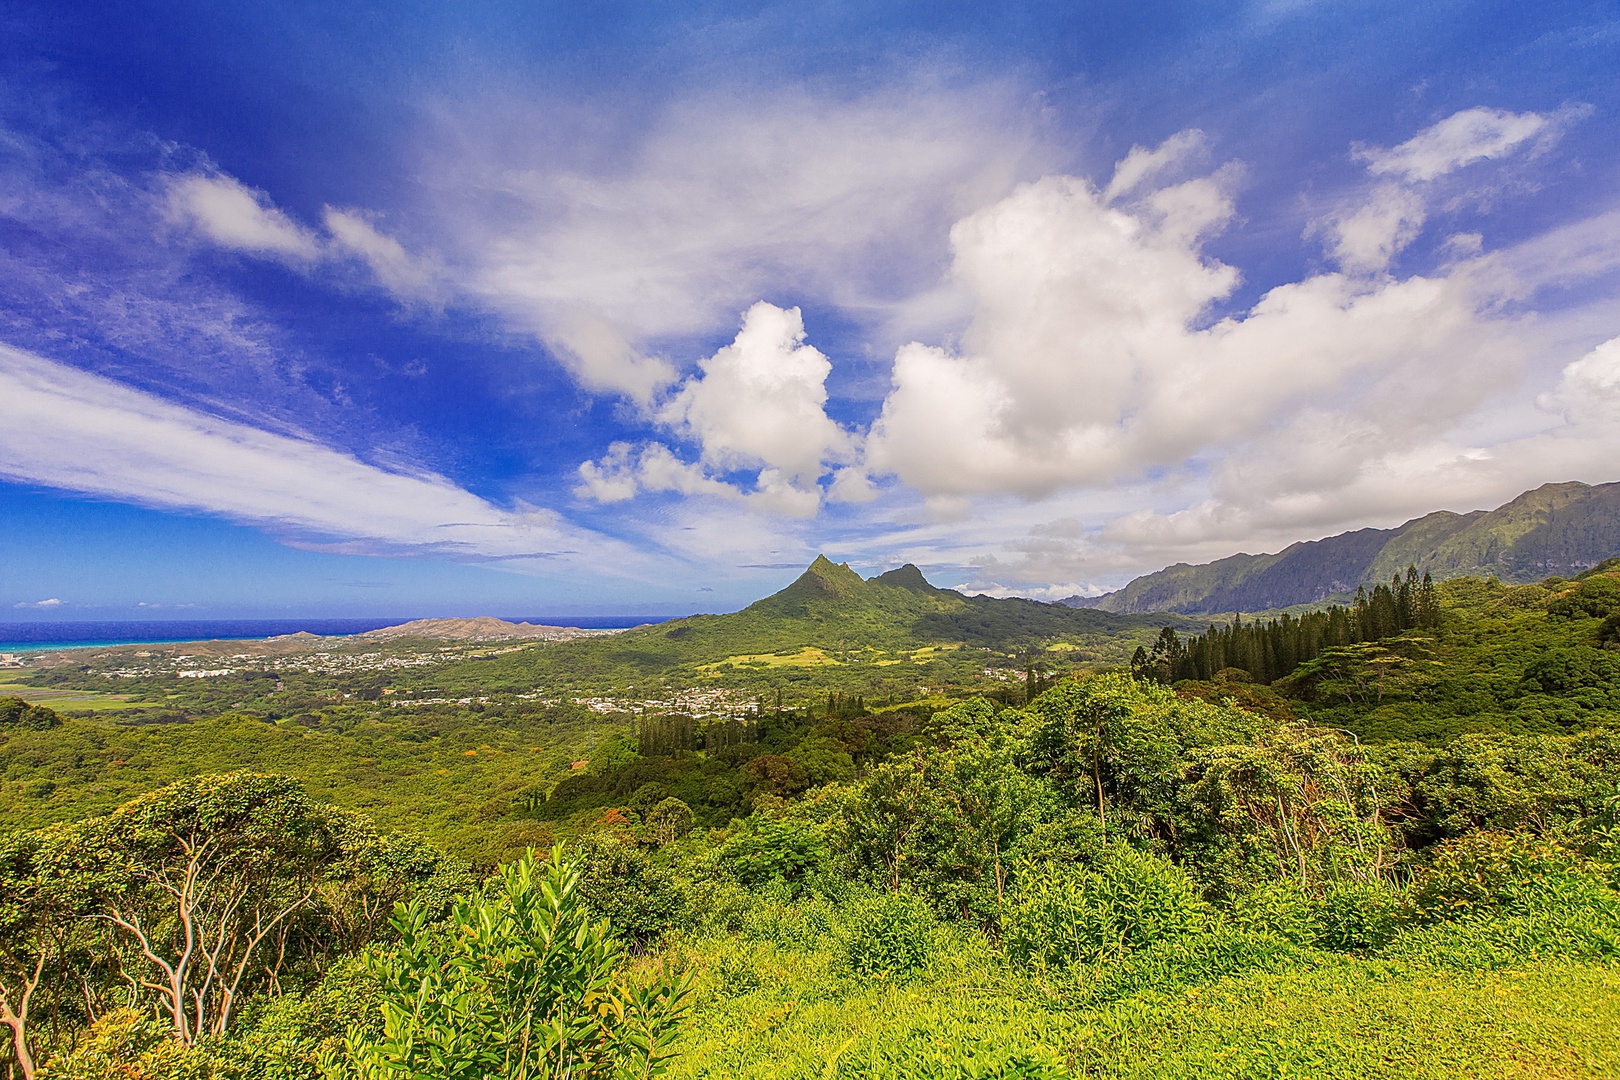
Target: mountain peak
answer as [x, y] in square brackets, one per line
[904, 577]
[825, 577]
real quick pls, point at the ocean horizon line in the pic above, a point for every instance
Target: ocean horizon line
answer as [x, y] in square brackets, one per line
[23, 637]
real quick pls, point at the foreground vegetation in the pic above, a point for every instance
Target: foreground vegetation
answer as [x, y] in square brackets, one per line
[1104, 874]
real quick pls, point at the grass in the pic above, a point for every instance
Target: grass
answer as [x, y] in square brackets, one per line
[1339, 1017]
[68, 700]
[805, 657]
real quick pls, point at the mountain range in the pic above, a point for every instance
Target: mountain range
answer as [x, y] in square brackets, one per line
[1555, 530]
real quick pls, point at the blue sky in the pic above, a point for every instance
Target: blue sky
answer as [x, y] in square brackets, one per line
[634, 308]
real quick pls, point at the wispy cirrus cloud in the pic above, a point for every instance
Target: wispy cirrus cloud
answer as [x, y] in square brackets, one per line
[79, 432]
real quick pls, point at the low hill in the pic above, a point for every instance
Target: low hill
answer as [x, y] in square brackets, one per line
[484, 628]
[1557, 529]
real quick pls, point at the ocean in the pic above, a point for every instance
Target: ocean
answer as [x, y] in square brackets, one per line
[42, 636]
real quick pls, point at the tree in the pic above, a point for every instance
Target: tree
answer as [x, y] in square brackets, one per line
[40, 912]
[776, 775]
[521, 984]
[878, 828]
[668, 821]
[823, 760]
[200, 876]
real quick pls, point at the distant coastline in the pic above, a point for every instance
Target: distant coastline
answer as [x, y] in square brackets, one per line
[27, 637]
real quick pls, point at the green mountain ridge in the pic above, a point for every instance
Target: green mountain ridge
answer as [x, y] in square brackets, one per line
[1554, 530]
[830, 607]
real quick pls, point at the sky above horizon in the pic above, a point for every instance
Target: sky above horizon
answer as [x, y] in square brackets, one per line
[533, 308]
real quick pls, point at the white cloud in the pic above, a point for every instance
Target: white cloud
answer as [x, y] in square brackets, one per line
[760, 402]
[46, 604]
[1142, 164]
[1081, 318]
[757, 405]
[1080, 345]
[1366, 234]
[1589, 390]
[625, 471]
[396, 270]
[608, 247]
[1461, 139]
[1366, 238]
[237, 217]
[1332, 402]
[79, 432]
[240, 218]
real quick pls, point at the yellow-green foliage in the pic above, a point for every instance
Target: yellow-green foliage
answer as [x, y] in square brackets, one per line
[776, 1014]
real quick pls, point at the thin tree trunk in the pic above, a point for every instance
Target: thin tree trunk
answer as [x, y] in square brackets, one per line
[17, 1019]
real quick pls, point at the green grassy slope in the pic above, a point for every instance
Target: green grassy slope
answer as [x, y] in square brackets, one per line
[1341, 1018]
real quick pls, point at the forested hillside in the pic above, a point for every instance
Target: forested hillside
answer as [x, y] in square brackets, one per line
[1380, 840]
[831, 616]
[1557, 529]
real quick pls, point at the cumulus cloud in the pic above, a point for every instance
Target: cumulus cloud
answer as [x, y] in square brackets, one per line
[757, 405]
[760, 401]
[1345, 398]
[39, 604]
[627, 470]
[1589, 390]
[1089, 360]
[80, 432]
[235, 216]
[1081, 313]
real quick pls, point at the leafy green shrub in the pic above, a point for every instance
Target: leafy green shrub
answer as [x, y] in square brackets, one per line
[1186, 960]
[1513, 873]
[520, 984]
[1582, 929]
[886, 935]
[767, 849]
[621, 883]
[1281, 908]
[1058, 915]
[132, 1044]
[1351, 916]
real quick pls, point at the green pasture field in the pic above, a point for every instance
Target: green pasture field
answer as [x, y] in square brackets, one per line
[69, 700]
